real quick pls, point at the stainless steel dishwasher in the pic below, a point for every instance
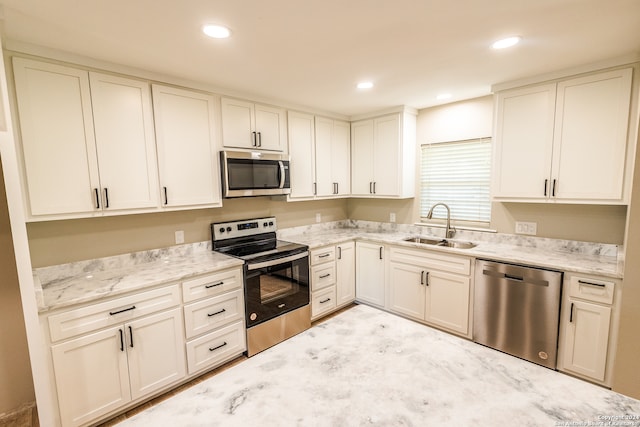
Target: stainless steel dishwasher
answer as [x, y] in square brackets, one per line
[516, 310]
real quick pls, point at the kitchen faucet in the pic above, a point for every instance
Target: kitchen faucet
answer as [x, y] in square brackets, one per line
[450, 231]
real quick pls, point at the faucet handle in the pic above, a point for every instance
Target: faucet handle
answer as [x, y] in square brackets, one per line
[451, 233]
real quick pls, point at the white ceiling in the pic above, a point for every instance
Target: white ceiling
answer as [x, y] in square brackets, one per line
[313, 52]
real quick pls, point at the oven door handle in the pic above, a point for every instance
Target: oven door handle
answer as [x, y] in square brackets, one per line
[277, 261]
[282, 174]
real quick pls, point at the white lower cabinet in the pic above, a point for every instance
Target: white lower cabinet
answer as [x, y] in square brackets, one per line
[370, 273]
[102, 371]
[588, 327]
[332, 278]
[214, 319]
[431, 287]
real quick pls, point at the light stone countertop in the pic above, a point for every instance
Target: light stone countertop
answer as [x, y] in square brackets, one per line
[85, 281]
[80, 282]
[562, 255]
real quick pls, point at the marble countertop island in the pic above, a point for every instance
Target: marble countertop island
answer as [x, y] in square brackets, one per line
[85, 281]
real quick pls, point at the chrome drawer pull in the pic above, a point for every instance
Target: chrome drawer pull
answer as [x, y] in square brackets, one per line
[323, 255]
[216, 313]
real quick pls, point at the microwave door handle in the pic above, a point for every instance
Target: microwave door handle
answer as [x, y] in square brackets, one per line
[281, 163]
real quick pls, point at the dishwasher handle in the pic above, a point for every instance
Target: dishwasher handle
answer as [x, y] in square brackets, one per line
[514, 278]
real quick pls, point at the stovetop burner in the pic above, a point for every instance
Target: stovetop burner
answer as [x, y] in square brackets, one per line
[252, 240]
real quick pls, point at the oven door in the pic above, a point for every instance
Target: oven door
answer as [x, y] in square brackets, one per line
[275, 287]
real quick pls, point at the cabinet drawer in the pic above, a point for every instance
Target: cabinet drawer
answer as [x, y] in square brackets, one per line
[436, 261]
[216, 347]
[212, 284]
[206, 315]
[323, 301]
[323, 276]
[97, 316]
[319, 256]
[591, 289]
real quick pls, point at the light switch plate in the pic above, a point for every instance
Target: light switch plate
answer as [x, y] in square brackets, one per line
[529, 228]
[179, 237]
[318, 217]
[392, 217]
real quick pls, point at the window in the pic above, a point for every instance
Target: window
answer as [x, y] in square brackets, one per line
[458, 174]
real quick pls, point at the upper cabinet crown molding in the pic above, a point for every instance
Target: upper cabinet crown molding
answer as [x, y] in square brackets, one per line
[569, 141]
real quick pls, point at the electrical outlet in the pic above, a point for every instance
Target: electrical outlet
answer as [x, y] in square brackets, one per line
[392, 217]
[179, 237]
[318, 217]
[530, 228]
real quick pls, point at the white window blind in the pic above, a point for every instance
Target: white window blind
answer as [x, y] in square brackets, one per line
[458, 174]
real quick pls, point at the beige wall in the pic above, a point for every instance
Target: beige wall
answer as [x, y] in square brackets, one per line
[474, 119]
[626, 377]
[57, 242]
[16, 384]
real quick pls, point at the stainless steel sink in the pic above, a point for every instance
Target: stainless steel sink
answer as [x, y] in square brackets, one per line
[442, 242]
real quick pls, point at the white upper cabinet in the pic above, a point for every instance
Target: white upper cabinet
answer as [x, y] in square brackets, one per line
[333, 155]
[253, 126]
[320, 156]
[88, 144]
[58, 145]
[302, 152]
[564, 141]
[123, 120]
[187, 150]
[383, 156]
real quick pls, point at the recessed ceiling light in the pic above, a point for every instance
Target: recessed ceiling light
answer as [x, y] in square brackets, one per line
[216, 31]
[504, 43]
[365, 85]
[443, 96]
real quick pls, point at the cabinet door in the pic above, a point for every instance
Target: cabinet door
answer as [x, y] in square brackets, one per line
[237, 123]
[125, 143]
[362, 149]
[407, 289]
[301, 150]
[345, 273]
[92, 378]
[324, 157]
[58, 145]
[523, 142]
[590, 138]
[155, 348]
[448, 301]
[370, 273]
[341, 157]
[187, 153]
[270, 125]
[386, 166]
[587, 339]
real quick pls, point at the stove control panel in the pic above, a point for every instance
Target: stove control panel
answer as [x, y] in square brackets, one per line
[244, 228]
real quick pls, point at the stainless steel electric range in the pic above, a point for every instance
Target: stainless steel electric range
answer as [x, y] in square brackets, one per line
[276, 280]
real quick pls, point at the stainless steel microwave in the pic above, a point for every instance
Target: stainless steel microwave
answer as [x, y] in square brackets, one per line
[253, 173]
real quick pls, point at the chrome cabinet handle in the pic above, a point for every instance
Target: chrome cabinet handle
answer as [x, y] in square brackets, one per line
[315, 189]
[255, 140]
[371, 187]
[323, 255]
[374, 187]
[259, 139]
[339, 252]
